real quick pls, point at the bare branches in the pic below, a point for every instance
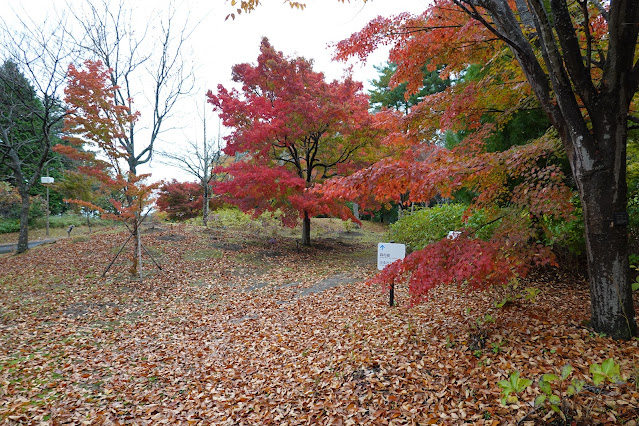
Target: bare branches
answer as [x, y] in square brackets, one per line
[32, 74]
[198, 160]
[144, 66]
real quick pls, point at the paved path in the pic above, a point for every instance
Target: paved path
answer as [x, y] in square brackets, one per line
[8, 248]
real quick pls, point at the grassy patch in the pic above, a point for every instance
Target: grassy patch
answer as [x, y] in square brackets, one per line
[203, 254]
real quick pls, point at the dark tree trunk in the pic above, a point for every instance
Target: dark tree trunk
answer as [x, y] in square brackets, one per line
[306, 230]
[23, 236]
[611, 304]
[591, 119]
[603, 191]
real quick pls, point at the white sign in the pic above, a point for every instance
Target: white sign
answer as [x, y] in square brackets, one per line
[452, 235]
[387, 253]
[46, 179]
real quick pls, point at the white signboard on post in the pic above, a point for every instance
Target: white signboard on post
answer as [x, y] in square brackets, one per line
[387, 253]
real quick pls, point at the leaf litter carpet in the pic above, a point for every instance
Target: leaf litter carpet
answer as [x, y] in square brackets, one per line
[238, 331]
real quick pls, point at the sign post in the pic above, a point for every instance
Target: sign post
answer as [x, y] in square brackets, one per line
[47, 180]
[388, 253]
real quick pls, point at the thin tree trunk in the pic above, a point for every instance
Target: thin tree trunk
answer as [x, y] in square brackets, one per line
[23, 236]
[306, 230]
[205, 206]
[138, 248]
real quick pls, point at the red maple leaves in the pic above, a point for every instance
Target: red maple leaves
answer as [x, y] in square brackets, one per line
[521, 183]
[292, 130]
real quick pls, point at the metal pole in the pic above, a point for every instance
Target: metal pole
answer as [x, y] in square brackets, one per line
[391, 301]
[47, 211]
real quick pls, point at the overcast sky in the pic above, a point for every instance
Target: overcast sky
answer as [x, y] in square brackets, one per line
[216, 45]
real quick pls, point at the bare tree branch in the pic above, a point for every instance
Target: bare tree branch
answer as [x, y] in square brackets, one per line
[161, 79]
[32, 75]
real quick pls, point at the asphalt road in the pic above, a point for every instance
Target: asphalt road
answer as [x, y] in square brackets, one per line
[8, 248]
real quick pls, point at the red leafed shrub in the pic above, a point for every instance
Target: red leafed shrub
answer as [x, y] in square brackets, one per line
[180, 200]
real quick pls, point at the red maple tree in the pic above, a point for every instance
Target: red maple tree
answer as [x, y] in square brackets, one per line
[292, 130]
[518, 185]
[180, 200]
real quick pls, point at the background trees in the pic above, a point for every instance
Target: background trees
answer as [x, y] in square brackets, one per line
[292, 130]
[198, 160]
[32, 75]
[181, 200]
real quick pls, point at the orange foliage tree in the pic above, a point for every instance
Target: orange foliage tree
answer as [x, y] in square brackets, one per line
[96, 121]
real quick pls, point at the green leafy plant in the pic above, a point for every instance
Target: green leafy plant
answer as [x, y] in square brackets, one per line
[549, 396]
[554, 392]
[514, 385]
[608, 371]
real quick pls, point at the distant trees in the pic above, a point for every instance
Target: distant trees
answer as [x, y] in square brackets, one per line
[198, 160]
[293, 130]
[32, 75]
[387, 95]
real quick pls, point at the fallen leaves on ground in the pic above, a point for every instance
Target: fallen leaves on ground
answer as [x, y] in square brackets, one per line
[242, 330]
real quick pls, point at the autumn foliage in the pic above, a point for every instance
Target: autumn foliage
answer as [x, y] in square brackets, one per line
[180, 200]
[96, 122]
[292, 130]
[520, 184]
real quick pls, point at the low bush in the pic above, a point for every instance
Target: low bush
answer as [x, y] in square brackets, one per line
[230, 217]
[428, 225]
[9, 225]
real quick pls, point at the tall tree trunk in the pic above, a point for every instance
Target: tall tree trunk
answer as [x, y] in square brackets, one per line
[23, 236]
[205, 206]
[306, 230]
[603, 191]
[611, 304]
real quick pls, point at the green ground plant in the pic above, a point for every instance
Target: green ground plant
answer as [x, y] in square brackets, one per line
[556, 390]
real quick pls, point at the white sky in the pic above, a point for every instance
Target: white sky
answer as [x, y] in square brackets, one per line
[217, 45]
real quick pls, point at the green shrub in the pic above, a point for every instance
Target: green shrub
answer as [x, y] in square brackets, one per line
[9, 225]
[426, 226]
[563, 234]
[230, 217]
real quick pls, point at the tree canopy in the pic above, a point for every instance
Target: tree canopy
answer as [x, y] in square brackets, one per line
[292, 130]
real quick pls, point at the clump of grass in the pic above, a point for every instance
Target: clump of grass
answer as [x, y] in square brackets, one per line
[203, 254]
